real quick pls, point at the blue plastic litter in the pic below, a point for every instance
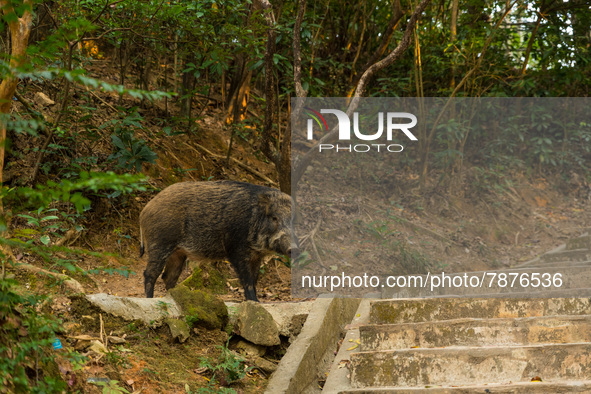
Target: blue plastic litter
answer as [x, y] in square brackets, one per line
[57, 344]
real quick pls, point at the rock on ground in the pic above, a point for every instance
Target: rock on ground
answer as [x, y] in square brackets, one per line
[289, 316]
[42, 99]
[178, 329]
[200, 307]
[250, 350]
[152, 311]
[256, 325]
[265, 365]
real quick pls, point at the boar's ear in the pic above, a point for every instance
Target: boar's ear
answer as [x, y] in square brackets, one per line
[265, 202]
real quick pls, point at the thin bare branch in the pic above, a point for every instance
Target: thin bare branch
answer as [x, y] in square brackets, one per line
[386, 38]
[297, 56]
[107, 5]
[301, 163]
[395, 54]
[270, 100]
[105, 33]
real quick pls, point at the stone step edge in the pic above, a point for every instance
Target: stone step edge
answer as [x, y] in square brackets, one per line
[461, 298]
[569, 293]
[538, 264]
[571, 255]
[478, 319]
[514, 322]
[556, 249]
[557, 252]
[298, 368]
[549, 386]
[370, 369]
[338, 375]
[458, 349]
[540, 294]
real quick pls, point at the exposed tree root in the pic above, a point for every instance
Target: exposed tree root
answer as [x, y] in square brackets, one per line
[69, 282]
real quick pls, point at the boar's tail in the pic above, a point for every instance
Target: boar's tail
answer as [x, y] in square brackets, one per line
[141, 242]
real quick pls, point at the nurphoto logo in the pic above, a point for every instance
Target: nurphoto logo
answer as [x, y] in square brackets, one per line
[394, 121]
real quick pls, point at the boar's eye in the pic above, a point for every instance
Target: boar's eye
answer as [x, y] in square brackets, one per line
[275, 219]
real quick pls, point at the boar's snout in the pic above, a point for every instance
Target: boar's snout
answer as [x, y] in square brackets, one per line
[293, 252]
[288, 246]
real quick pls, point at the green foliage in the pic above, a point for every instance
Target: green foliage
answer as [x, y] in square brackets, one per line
[379, 229]
[36, 222]
[123, 271]
[303, 259]
[46, 223]
[163, 307]
[215, 42]
[26, 337]
[76, 191]
[210, 389]
[111, 387]
[228, 368]
[130, 152]
[116, 359]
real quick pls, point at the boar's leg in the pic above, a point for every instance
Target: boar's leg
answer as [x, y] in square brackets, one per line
[156, 261]
[174, 268]
[247, 267]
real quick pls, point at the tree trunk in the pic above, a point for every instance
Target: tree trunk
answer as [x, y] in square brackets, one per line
[453, 29]
[187, 87]
[20, 28]
[270, 100]
[530, 43]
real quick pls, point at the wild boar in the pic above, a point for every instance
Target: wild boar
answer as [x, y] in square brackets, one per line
[221, 220]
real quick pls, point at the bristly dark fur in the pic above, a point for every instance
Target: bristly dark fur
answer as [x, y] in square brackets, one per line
[220, 220]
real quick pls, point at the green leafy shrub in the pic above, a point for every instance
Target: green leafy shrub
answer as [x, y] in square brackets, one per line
[26, 336]
[227, 369]
[130, 152]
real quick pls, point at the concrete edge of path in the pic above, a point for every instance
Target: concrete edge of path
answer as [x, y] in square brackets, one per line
[299, 366]
[559, 248]
[153, 311]
[338, 379]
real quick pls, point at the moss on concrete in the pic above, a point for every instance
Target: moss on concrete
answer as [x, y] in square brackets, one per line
[206, 277]
[200, 307]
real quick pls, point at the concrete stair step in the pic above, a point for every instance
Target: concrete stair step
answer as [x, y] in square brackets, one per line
[470, 365]
[557, 387]
[553, 265]
[464, 339]
[539, 294]
[437, 309]
[567, 255]
[476, 332]
[582, 242]
[560, 248]
[584, 292]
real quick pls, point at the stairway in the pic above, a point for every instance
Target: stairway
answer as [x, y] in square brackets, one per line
[473, 345]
